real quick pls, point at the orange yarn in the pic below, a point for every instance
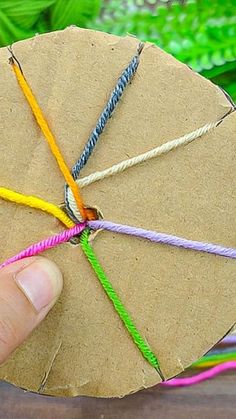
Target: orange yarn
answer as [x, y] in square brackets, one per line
[85, 213]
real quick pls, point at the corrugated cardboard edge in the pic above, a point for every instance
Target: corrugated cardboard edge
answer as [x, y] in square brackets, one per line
[180, 303]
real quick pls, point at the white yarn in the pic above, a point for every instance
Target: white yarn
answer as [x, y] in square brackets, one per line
[122, 166]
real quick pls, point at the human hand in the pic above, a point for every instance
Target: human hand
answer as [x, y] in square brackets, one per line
[28, 290]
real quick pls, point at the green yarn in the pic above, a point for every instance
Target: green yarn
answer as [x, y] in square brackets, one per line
[229, 356]
[119, 307]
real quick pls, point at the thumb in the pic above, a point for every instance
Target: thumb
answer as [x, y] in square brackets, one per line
[28, 290]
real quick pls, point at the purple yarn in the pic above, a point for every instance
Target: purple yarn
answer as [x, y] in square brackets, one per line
[164, 238]
[230, 340]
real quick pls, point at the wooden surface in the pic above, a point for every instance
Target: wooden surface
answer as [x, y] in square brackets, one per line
[210, 400]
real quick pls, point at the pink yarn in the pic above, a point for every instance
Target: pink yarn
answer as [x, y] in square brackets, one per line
[118, 228]
[66, 235]
[46, 244]
[198, 378]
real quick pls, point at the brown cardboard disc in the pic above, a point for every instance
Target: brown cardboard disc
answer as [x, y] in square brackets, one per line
[182, 301]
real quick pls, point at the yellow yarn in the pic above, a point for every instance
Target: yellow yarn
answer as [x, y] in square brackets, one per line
[35, 202]
[37, 112]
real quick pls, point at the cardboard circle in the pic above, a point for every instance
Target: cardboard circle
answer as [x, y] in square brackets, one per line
[182, 301]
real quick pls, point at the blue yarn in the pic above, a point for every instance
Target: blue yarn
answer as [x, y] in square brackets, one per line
[219, 351]
[107, 112]
[123, 81]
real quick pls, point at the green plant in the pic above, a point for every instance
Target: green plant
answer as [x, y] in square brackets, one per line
[200, 33]
[20, 19]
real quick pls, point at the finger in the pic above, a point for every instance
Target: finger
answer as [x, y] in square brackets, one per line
[28, 290]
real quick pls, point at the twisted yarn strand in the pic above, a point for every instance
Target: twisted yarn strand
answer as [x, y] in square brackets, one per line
[126, 164]
[164, 238]
[157, 151]
[106, 114]
[198, 378]
[119, 307]
[134, 231]
[215, 358]
[73, 197]
[38, 114]
[46, 244]
[37, 203]
[57, 239]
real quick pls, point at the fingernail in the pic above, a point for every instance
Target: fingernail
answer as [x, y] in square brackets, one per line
[41, 282]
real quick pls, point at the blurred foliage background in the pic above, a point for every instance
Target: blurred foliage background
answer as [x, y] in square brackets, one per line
[200, 33]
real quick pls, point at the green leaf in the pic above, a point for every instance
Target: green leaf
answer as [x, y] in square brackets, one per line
[77, 12]
[196, 33]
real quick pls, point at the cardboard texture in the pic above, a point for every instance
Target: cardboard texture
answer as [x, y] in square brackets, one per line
[182, 301]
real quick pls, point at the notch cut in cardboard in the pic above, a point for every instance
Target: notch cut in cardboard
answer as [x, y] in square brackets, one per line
[182, 301]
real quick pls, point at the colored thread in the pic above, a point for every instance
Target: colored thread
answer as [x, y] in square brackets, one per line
[196, 379]
[124, 165]
[134, 231]
[224, 355]
[106, 114]
[229, 340]
[37, 203]
[227, 352]
[223, 350]
[164, 238]
[137, 232]
[217, 358]
[49, 137]
[141, 158]
[55, 240]
[119, 307]
[153, 236]
[205, 364]
[62, 237]
[46, 244]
